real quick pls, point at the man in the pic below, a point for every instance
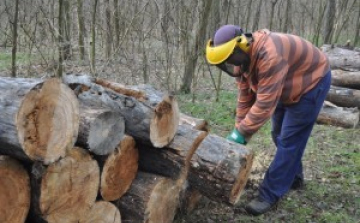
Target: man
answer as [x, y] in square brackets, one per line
[280, 76]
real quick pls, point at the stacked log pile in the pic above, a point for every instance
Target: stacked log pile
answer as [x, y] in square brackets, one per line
[343, 99]
[83, 149]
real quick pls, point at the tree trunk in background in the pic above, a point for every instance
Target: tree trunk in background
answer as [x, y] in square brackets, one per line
[14, 41]
[195, 45]
[287, 21]
[248, 14]
[108, 29]
[117, 24]
[357, 28]
[81, 29]
[93, 37]
[272, 10]
[318, 25]
[67, 29]
[255, 24]
[329, 21]
[60, 39]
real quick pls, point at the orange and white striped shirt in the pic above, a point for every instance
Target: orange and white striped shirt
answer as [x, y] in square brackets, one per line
[283, 68]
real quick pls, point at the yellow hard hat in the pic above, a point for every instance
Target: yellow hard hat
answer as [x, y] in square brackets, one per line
[218, 54]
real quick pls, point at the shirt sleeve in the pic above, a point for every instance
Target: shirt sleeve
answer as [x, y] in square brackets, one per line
[245, 99]
[271, 75]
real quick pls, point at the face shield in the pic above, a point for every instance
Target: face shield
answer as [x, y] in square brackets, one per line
[228, 56]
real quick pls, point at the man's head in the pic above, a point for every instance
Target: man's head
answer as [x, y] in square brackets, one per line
[229, 48]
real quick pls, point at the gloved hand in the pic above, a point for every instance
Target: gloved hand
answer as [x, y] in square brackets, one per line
[236, 136]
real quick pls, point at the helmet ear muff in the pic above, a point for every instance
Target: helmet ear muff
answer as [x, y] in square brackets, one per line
[243, 43]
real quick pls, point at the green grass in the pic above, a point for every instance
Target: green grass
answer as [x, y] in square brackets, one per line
[5, 60]
[331, 164]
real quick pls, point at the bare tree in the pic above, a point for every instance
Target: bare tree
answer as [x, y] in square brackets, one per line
[193, 48]
[81, 29]
[93, 38]
[329, 21]
[255, 24]
[288, 16]
[272, 10]
[357, 28]
[60, 39]
[15, 37]
[108, 30]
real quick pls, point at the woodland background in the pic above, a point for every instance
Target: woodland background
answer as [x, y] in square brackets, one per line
[161, 42]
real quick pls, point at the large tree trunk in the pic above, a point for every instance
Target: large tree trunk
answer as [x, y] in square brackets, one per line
[118, 170]
[344, 97]
[14, 191]
[151, 199]
[346, 79]
[195, 123]
[337, 116]
[100, 129]
[151, 123]
[342, 59]
[173, 160]
[39, 119]
[102, 211]
[219, 169]
[65, 190]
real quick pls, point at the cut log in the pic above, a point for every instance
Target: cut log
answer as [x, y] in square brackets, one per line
[174, 159]
[14, 191]
[102, 211]
[118, 170]
[155, 124]
[338, 116]
[342, 59]
[65, 190]
[39, 119]
[219, 169]
[344, 97]
[100, 129]
[196, 123]
[346, 79]
[150, 199]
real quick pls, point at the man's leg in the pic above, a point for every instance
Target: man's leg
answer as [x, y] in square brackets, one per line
[296, 128]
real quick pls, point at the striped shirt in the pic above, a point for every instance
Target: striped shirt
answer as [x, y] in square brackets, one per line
[283, 67]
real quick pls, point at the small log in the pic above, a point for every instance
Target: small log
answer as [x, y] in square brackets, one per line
[39, 119]
[65, 190]
[219, 169]
[346, 79]
[100, 129]
[150, 199]
[118, 170]
[152, 123]
[173, 160]
[14, 191]
[196, 123]
[102, 211]
[338, 116]
[342, 59]
[344, 97]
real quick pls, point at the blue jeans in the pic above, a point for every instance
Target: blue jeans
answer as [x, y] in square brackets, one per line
[291, 128]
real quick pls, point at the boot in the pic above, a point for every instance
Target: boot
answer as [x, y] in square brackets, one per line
[298, 184]
[258, 206]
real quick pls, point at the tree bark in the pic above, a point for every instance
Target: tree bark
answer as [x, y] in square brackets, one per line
[14, 40]
[100, 129]
[102, 211]
[329, 21]
[39, 119]
[343, 59]
[65, 190]
[195, 123]
[344, 97]
[346, 79]
[152, 123]
[81, 27]
[344, 117]
[151, 199]
[219, 169]
[173, 160]
[14, 191]
[118, 169]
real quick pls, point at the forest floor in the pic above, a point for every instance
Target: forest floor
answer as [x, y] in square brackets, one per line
[331, 161]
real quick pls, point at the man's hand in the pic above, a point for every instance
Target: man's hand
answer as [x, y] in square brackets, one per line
[236, 136]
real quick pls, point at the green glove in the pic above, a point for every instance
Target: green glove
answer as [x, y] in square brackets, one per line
[236, 136]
